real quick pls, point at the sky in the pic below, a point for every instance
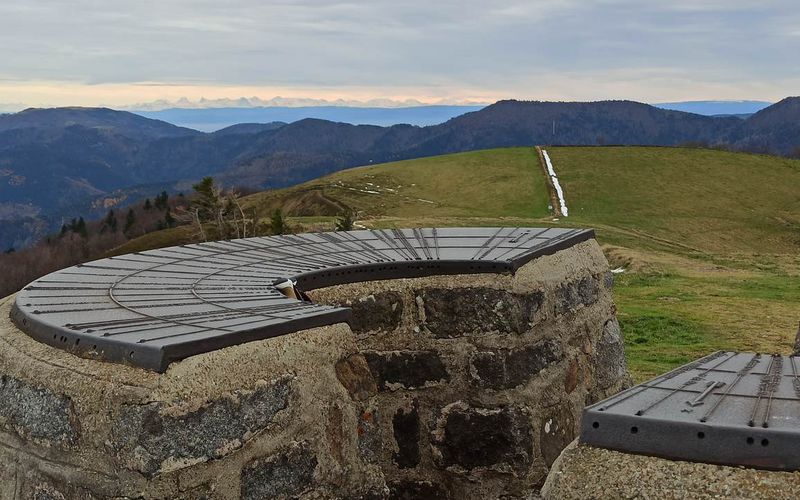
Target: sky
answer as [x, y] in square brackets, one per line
[115, 52]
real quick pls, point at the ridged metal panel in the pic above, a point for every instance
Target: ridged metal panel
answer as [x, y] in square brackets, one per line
[732, 408]
[151, 308]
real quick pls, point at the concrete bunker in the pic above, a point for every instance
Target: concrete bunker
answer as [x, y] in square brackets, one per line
[418, 369]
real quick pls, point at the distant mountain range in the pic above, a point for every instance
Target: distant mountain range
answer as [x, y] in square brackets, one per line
[209, 115]
[740, 109]
[212, 119]
[66, 162]
[292, 102]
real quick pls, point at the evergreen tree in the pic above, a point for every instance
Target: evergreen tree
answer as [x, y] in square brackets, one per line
[207, 200]
[64, 230]
[169, 220]
[80, 228]
[278, 223]
[130, 220]
[147, 204]
[161, 200]
[110, 222]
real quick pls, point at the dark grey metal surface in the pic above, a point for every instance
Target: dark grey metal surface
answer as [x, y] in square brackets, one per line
[726, 408]
[151, 308]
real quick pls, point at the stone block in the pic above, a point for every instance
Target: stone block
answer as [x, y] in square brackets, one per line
[609, 359]
[355, 375]
[405, 425]
[608, 280]
[37, 413]
[154, 437]
[417, 490]
[455, 312]
[284, 475]
[572, 295]
[466, 438]
[379, 312]
[370, 443]
[556, 431]
[395, 370]
[504, 368]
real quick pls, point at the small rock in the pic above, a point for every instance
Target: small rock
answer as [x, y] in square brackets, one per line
[571, 377]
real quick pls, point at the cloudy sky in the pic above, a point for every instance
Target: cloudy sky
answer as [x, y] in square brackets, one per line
[115, 52]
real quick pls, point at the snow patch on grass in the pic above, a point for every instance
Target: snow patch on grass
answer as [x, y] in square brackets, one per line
[553, 177]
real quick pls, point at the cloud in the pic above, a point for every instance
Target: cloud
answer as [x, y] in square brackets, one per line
[412, 48]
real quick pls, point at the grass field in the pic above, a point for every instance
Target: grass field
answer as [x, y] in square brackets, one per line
[484, 184]
[711, 201]
[709, 240]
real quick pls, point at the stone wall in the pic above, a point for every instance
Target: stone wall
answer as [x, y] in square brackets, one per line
[459, 386]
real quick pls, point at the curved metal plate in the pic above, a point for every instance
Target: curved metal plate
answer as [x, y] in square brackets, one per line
[151, 308]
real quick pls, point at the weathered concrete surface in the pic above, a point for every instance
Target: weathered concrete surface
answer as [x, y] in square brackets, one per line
[587, 472]
[461, 386]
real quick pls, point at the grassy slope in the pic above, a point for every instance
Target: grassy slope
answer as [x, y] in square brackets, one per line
[713, 201]
[715, 238]
[485, 184]
[709, 239]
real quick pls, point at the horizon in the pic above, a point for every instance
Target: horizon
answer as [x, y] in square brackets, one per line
[255, 102]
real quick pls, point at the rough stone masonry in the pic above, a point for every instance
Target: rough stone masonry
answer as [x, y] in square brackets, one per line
[465, 386]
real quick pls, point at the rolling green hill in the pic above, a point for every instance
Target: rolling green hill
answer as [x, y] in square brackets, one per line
[712, 201]
[491, 183]
[708, 241]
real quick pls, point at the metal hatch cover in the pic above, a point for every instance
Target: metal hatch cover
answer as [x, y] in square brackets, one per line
[151, 308]
[730, 408]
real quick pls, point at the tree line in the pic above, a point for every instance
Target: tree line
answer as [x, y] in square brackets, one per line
[79, 240]
[212, 212]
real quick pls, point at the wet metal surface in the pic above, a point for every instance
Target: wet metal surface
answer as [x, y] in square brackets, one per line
[151, 308]
[727, 408]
